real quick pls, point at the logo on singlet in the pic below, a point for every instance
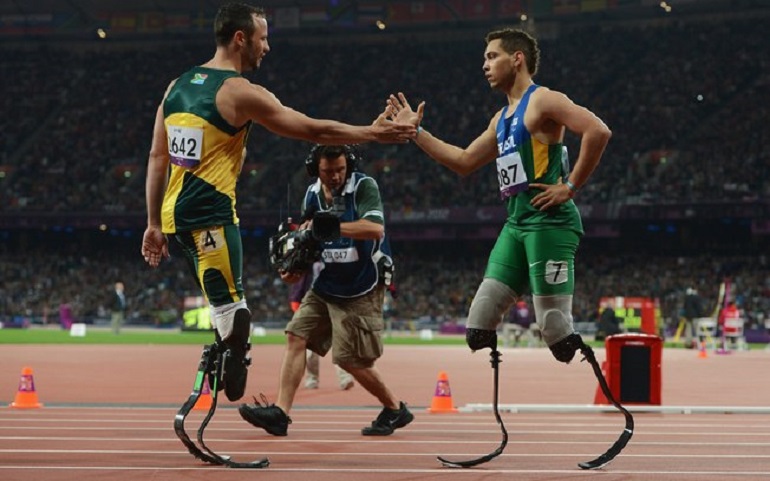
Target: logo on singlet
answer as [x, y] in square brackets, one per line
[199, 78]
[505, 146]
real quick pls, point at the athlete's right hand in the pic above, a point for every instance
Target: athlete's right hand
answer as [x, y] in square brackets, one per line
[388, 131]
[154, 246]
[402, 112]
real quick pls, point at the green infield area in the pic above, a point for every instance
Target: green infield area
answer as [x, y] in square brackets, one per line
[148, 335]
[101, 335]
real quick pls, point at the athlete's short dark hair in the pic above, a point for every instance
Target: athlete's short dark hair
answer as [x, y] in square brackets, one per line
[514, 40]
[232, 17]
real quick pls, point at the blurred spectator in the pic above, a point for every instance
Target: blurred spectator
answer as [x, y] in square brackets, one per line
[608, 324]
[118, 307]
[693, 309]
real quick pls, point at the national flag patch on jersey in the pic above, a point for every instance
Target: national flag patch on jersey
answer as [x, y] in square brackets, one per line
[199, 78]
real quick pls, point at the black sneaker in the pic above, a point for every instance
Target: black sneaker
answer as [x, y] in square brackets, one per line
[237, 364]
[388, 421]
[269, 417]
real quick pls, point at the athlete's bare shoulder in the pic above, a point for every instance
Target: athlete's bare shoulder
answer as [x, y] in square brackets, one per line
[545, 98]
[240, 100]
[231, 97]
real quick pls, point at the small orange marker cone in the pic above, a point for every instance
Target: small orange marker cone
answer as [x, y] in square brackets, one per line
[204, 401]
[442, 398]
[26, 396]
[702, 354]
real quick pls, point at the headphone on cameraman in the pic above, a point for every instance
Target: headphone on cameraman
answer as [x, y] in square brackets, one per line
[318, 151]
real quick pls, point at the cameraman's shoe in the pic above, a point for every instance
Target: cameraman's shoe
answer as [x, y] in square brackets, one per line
[237, 364]
[388, 421]
[269, 417]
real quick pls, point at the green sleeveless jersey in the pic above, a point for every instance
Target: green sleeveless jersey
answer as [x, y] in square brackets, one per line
[206, 154]
[524, 159]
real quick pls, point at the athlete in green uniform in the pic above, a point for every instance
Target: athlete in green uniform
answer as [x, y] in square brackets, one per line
[197, 151]
[536, 247]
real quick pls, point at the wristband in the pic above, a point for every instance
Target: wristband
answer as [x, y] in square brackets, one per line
[571, 187]
[419, 129]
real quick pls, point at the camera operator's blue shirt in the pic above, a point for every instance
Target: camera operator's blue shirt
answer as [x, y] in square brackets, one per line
[350, 266]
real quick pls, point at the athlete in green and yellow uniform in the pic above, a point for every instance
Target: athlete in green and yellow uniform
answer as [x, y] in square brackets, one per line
[206, 155]
[540, 244]
[536, 247]
[195, 158]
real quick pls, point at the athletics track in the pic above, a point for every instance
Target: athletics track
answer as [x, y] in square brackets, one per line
[108, 413]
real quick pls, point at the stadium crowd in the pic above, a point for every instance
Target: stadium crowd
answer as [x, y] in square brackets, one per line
[686, 102]
[431, 288]
[683, 101]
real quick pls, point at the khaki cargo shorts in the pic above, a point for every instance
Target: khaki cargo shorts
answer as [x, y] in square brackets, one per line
[351, 328]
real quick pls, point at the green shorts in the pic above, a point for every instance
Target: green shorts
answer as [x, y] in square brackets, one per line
[215, 257]
[543, 261]
[351, 328]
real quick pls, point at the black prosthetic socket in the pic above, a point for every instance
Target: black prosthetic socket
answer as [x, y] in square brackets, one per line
[564, 350]
[481, 338]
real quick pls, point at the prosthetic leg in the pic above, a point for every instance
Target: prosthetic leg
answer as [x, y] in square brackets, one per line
[213, 360]
[628, 431]
[478, 339]
[554, 317]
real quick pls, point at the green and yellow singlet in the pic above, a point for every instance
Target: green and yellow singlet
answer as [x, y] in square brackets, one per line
[206, 154]
[524, 159]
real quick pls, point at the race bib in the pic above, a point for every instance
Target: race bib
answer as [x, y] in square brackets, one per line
[511, 175]
[556, 272]
[185, 145]
[340, 256]
[210, 240]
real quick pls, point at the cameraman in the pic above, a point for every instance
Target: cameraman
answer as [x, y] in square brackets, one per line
[343, 309]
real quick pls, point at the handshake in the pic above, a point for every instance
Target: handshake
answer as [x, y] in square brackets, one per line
[295, 250]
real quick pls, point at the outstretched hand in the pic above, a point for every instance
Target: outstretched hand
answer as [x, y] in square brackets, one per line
[390, 131]
[402, 112]
[154, 246]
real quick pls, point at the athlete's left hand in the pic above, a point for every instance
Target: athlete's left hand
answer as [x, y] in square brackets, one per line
[551, 195]
[154, 246]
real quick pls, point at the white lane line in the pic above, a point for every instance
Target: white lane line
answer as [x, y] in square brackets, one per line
[390, 441]
[7, 422]
[415, 430]
[378, 454]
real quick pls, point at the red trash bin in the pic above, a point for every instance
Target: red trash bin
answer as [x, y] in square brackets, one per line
[633, 367]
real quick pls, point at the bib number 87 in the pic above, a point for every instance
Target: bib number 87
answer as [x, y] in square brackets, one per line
[505, 178]
[511, 175]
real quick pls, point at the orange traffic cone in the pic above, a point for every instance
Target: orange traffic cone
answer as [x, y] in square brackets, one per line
[204, 401]
[702, 354]
[442, 399]
[26, 396]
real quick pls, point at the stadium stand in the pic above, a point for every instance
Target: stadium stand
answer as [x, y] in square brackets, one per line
[681, 198]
